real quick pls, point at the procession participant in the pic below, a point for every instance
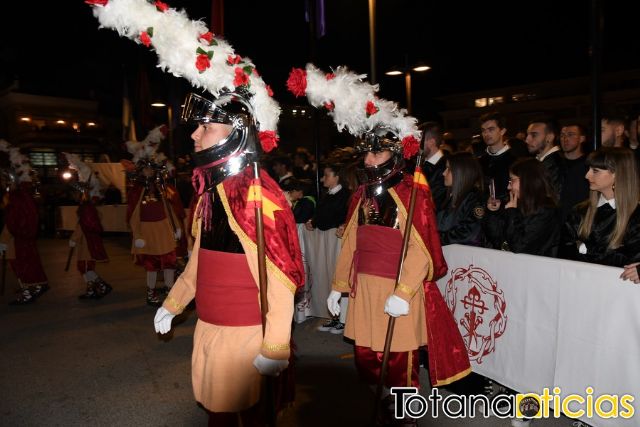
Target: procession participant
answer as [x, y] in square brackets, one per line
[154, 213]
[232, 345]
[86, 240]
[370, 255]
[18, 238]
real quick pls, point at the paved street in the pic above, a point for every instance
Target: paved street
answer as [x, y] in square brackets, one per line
[66, 362]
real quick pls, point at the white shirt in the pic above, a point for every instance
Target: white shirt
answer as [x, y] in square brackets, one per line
[335, 189]
[602, 201]
[502, 150]
[544, 156]
[436, 157]
[283, 177]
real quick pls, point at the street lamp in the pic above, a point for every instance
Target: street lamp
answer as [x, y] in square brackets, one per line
[160, 104]
[406, 70]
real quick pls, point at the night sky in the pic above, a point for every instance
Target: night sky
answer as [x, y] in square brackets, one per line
[55, 48]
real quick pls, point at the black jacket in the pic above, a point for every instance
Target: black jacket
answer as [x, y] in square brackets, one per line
[462, 225]
[576, 186]
[436, 180]
[536, 234]
[497, 168]
[555, 167]
[331, 210]
[304, 209]
[596, 244]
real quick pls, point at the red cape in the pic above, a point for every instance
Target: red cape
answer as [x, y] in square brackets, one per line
[448, 359]
[92, 229]
[282, 244]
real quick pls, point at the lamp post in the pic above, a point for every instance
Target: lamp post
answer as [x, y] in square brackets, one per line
[406, 70]
[170, 120]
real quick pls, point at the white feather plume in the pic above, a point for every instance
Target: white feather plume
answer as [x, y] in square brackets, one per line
[20, 163]
[85, 174]
[349, 94]
[147, 149]
[176, 41]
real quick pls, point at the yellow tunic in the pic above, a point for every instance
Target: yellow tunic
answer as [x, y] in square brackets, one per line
[224, 378]
[157, 235]
[366, 320]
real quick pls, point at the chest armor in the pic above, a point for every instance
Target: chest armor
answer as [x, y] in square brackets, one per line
[220, 237]
[378, 208]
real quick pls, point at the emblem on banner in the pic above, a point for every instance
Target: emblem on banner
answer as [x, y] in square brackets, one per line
[479, 308]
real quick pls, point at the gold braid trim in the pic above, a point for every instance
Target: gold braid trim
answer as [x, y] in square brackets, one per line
[354, 218]
[415, 234]
[275, 347]
[195, 224]
[406, 289]
[175, 304]
[243, 236]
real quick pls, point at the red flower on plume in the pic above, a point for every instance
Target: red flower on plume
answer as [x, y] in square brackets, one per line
[371, 108]
[145, 39]
[268, 140]
[330, 76]
[97, 2]
[208, 37]
[233, 59]
[410, 146]
[269, 90]
[162, 7]
[297, 81]
[241, 78]
[329, 106]
[202, 62]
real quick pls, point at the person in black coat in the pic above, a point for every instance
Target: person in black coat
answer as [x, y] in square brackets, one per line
[302, 203]
[605, 229]
[460, 219]
[541, 142]
[435, 162]
[530, 221]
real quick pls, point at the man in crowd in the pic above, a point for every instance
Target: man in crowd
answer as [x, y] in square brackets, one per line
[576, 187]
[541, 142]
[497, 158]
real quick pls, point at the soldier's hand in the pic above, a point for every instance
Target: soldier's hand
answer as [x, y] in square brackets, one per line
[271, 367]
[162, 321]
[178, 234]
[396, 306]
[72, 244]
[3, 247]
[333, 303]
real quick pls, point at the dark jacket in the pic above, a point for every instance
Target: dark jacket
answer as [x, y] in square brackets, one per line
[304, 209]
[596, 244]
[462, 225]
[536, 234]
[576, 186]
[555, 167]
[497, 168]
[331, 210]
[434, 176]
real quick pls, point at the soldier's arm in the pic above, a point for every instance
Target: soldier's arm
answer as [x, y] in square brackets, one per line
[184, 290]
[415, 267]
[343, 263]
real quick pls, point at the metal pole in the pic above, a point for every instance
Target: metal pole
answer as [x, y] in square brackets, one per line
[407, 84]
[372, 40]
[597, 25]
[172, 151]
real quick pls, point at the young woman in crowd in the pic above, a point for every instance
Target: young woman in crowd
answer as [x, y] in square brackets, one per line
[460, 219]
[530, 220]
[605, 229]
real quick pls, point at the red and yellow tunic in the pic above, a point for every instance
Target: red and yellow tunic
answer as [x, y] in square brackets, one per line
[224, 378]
[429, 321]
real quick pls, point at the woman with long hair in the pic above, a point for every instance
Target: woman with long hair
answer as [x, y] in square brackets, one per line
[460, 219]
[605, 229]
[530, 220]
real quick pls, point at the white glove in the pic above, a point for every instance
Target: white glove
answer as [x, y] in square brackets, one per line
[162, 321]
[396, 306]
[3, 247]
[333, 303]
[139, 243]
[72, 244]
[268, 366]
[178, 234]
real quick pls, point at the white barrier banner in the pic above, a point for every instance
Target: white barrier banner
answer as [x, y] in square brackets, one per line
[532, 323]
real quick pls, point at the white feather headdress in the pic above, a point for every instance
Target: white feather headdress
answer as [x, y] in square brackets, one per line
[147, 149]
[188, 49]
[353, 104]
[85, 175]
[20, 164]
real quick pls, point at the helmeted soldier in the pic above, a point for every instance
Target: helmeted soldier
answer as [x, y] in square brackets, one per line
[18, 238]
[86, 239]
[155, 213]
[372, 242]
[231, 351]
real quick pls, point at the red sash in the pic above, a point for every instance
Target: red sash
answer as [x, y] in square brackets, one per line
[226, 293]
[378, 253]
[152, 211]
